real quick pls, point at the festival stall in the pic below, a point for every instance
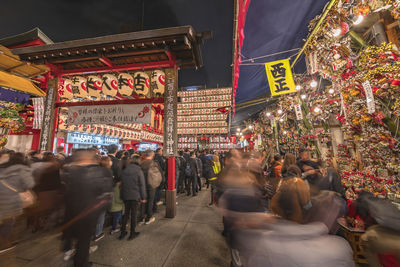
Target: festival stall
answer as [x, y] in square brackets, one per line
[16, 99]
[346, 106]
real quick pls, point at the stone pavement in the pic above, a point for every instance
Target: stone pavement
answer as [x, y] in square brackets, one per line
[192, 238]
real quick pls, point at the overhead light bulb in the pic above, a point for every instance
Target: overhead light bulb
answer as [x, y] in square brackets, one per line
[314, 83]
[250, 127]
[237, 134]
[241, 134]
[317, 109]
[281, 120]
[238, 129]
[359, 19]
[284, 132]
[303, 96]
[337, 32]
[298, 87]
[280, 111]
[331, 91]
[268, 114]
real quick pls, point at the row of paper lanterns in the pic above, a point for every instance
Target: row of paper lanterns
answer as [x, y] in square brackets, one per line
[126, 84]
[107, 130]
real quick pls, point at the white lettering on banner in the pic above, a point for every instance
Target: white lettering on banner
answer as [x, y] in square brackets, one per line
[369, 95]
[299, 113]
[170, 114]
[48, 110]
[90, 139]
[116, 114]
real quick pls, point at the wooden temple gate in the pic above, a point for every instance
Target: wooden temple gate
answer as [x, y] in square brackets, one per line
[82, 61]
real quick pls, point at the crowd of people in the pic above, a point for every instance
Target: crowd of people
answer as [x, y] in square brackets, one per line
[80, 192]
[283, 211]
[279, 212]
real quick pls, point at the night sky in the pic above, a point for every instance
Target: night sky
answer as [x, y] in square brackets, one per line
[63, 20]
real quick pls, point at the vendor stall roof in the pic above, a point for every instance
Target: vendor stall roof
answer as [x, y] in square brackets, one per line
[180, 45]
[12, 63]
[19, 83]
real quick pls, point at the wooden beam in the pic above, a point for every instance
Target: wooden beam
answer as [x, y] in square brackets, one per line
[117, 68]
[106, 61]
[112, 102]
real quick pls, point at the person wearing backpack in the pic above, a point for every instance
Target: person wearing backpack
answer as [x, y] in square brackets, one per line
[191, 175]
[153, 178]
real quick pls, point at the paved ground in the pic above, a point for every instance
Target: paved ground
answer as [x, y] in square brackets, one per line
[193, 238]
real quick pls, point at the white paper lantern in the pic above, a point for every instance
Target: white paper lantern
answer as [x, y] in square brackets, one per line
[94, 86]
[125, 84]
[158, 83]
[65, 89]
[110, 85]
[141, 83]
[79, 87]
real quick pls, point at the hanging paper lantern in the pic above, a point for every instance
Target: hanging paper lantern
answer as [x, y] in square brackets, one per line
[79, 87]
[125, 84]
[158, 83]
[141, 83]
[61, 122]
[65, 89]
[94, 86]
[110, 85]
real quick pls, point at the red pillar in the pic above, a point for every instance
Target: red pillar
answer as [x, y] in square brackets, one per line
[171, 173]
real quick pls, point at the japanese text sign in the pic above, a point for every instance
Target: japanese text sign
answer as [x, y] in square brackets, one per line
[109, 114]
[47, 134]
[369, 95]
[170, 113]
[280, 77]
[299, 113]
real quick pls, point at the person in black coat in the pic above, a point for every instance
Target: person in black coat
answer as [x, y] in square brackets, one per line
[88, 192]
[133, 191]
[116, 165]
[191, 178]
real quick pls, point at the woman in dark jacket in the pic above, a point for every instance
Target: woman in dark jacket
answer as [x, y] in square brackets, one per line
[133, 191]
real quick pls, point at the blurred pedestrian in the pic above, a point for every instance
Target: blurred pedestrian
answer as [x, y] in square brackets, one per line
[88, 191]
[15, 178]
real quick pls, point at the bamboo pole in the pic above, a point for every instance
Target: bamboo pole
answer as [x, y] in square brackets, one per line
[314, 31]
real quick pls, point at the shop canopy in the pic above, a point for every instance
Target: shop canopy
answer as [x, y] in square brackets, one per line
[269, 27]
[15, 74]
[8, 80]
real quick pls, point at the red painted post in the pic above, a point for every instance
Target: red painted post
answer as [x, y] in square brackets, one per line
[171, 173]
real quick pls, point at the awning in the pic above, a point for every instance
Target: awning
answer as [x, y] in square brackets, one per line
[12, 63]
[20, 84]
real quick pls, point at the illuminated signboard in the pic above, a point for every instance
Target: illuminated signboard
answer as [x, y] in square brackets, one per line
[91, 139]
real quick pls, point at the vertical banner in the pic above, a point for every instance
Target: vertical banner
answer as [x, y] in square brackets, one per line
[170, 113]
[299, 113]
[46, 133]
[369, 95]
[38, 112]
[280, 77]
